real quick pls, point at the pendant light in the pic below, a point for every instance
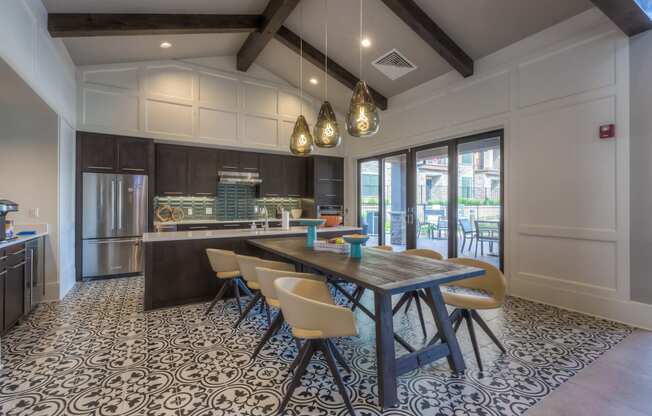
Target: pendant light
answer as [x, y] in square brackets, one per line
[363, 119]
[301, 143]
[327, 132]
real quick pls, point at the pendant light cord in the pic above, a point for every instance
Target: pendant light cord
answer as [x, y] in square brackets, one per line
[301, 58]
[326, 56]
[360, 40]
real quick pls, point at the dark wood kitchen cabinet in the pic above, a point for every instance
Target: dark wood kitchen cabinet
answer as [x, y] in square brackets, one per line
[171, 170]
[3, 279]
[14, 288]
[295, 177]
[272, 170]
[202, 172]
[133, 155]
[326, 180]
[107, 153]
[98, 152]
[239, 161]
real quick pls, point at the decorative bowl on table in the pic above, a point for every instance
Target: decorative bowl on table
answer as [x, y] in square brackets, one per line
[312, 224]
[332, 220]
[356, 241]
[296, 213]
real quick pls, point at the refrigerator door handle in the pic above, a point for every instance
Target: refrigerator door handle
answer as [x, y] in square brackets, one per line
[120, 202]
[113, 207]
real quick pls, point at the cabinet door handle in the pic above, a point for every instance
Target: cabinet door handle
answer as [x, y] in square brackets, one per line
[229, 167]
[2, 273]
[203, 193]
[331, 195]
[100, 167]
[3, 258]
[294, 196]
[172, 193]
[21, 264]
[250, 168]
[231, 225]
[198, 228]
[17, 253]
[134, 169]
[271, 194]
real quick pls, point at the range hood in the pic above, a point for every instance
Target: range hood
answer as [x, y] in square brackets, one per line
[239, 178]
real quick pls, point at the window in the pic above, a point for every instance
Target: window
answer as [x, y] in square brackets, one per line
[467, 187]
[467, 159]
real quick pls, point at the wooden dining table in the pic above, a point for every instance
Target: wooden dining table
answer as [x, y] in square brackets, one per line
[386, 274]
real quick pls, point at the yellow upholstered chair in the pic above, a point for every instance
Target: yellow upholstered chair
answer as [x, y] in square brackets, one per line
[473, 294]
[225, 266]
[266, 278]
[247, 265]
[313, 316]
[417, 295]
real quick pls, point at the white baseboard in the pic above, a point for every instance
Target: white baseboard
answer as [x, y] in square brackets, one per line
[51, 292]
[628, 312]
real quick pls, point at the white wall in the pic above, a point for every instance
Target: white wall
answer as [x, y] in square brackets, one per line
[28, 164]
[66, 204]
[201, 101]
[641, 166]
[567, 194]
[44, 63]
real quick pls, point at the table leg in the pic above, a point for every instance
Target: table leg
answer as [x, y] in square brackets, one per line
[385, 353]
[445, 329]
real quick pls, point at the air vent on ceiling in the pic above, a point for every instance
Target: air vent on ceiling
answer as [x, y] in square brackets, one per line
[394, 65]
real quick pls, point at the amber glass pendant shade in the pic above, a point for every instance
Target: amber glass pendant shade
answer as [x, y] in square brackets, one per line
[327, 132]
[363, 119]
[301, 143]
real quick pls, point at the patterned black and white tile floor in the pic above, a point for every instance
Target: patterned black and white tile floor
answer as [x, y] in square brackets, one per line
[97, 353]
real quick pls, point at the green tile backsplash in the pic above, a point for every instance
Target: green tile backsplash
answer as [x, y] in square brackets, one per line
[233, 202]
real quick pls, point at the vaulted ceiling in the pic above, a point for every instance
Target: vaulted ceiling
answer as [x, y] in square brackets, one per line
[479, 27]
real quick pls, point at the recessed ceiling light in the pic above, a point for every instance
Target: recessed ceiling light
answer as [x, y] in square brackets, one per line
[365, 42]
[166, 45]
[314, 81]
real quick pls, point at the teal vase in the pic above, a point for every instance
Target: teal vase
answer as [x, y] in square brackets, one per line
[312, 236]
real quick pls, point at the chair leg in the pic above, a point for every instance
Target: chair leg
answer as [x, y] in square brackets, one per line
[220, 295]
[236, 289]
[359, 292]
[471, 243]
[455, 318]
[420, 312]
[328, 354]
[474, 340]
[303, 365]
[463, 242]
[269, 315]
[409, 303]
[477, 242]
[297, 360]
[273, 329]
[248, 308]
[477, 318]
[338, 356]
[243, 286]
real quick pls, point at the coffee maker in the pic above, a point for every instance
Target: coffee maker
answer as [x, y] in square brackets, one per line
[6, 207]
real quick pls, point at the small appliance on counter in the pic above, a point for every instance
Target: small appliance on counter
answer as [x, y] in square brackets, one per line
[6, 226]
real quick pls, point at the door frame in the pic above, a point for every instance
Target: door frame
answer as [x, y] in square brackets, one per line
[411, 152]
[381, 191]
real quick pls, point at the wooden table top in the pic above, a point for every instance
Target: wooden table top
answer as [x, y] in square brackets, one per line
[378, 270]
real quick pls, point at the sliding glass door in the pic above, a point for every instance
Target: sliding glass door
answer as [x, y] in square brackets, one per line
[382, 199]
[446, 197]
[432, 199]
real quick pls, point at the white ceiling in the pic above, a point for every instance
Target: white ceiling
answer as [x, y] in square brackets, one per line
[480, 27]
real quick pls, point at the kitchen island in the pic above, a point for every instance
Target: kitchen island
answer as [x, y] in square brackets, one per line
[177, 270]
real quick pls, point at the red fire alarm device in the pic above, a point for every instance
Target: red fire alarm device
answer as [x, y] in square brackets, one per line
[608, 131]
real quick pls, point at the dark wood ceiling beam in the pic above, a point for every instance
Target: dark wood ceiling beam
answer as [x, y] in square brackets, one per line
[626, 14]
[111, 24]
[275, 14]
[434, 35]
[316, 57]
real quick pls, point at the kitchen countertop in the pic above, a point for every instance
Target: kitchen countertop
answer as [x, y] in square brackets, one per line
[241, 233]
[189, 222]
[22, 239]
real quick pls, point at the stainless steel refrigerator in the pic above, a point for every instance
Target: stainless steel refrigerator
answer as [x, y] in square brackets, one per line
[114, 220]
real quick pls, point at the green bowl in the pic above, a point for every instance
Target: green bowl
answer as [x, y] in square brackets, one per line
[355, 240]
